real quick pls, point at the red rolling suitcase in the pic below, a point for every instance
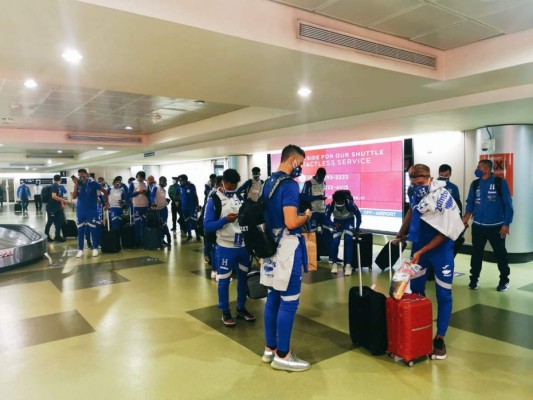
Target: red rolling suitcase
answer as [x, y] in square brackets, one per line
[409, 328]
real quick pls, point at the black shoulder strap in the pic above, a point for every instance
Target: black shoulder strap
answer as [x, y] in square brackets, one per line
[217, 203]
[498, 184]
[275, 186]
[475, 184]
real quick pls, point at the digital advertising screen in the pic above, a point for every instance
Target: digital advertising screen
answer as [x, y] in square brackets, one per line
[372, 172]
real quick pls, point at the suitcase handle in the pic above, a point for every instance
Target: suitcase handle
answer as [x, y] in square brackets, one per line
[360, 268]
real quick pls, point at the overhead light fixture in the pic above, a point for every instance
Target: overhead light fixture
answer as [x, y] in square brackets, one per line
[1, 145]
[99, 148]
[128, 128]
[60, 151]
[33, 169]
[27, 168]
[199, 101]
[49, 161]
[72, 56]
[304, 92]
[30, 83]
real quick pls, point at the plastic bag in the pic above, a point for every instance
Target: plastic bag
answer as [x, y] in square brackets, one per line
[401, 279]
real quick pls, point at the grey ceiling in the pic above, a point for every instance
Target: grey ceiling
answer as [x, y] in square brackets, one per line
[443, 24]
[145, 66]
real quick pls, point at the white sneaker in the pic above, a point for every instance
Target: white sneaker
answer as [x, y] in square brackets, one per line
[79, 254]
[268, 355]
[335, 269]
[95, 253]
[290, 363]
[348, 270]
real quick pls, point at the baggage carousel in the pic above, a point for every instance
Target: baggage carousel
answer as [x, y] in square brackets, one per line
[20, 245]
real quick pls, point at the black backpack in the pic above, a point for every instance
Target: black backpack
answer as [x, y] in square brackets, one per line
[46, 194]
[258, 238]
[209, 237]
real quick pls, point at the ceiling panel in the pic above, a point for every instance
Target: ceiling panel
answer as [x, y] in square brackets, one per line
[417, 21]
[364, 12]
[512, 20]
[478, 8]
[305, 4]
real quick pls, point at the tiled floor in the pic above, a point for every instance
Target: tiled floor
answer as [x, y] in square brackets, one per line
[144, 325]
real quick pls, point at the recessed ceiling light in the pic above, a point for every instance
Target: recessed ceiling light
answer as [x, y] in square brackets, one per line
[304, 92]
[1, 144]
[60, 151]
[72, 56]
[128, 128]
[27, 168]
[99, 148]
[199, 101]
[33, 169]
[30, 83]
[49, 161]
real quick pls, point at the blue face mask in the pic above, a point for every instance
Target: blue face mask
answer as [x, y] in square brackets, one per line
[297, 171]
[441, 178]
[228, 193]
[421, 190]
[478, 173]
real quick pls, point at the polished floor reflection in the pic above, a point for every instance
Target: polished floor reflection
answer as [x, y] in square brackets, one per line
[144, 325]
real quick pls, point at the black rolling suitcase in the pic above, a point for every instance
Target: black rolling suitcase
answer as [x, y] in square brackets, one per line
[110, 242]
[127, 235]
[363, 245]
[254, 289]
[18, 207]
[321, 248]
[69, 229]
[152, 219]
[152, 238]
[367, 317]
[382, 260]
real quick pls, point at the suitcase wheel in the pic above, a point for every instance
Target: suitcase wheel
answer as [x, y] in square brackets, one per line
[433, 357]
[411, 363]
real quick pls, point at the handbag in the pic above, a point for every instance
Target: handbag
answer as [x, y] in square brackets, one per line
[254, 289]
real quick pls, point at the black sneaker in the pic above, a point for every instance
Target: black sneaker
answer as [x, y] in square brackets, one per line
[242, 313]
[227, 319]
[473, 285]
[49, 239]
[439, 349]
[503, 287]
[59, 239]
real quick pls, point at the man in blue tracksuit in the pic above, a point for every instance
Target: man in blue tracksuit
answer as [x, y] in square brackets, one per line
[87, 191]
[282, 273]
[431, 249]
[158, 200]
[252, 187]
[489, 202]
[118, 197]
[189, 206]
[345, 213]
[138, 192]
[221, 215]
[24, 194]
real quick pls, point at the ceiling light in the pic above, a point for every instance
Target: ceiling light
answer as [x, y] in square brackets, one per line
[199, 101]
[30, 83]
[72, 56]
[304, 92]
[1, 145]
[49, 161]
[60, 151]
[33, 169]
[99, 148]
[27, 168]
[128, 128]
